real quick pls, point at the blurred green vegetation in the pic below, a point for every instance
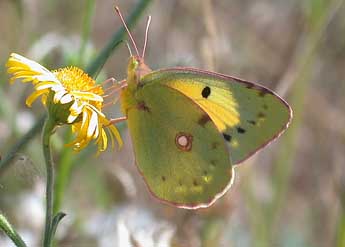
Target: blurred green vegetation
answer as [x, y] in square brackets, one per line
[290, 194]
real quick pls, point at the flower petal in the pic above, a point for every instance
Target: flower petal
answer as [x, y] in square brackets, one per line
[58, 95]
[21, 67]
[114, 131]
[75, 111]
[87, 96]
[45, 84]
[34, 96]
[104, 140]
[66, 99]
[93, 124]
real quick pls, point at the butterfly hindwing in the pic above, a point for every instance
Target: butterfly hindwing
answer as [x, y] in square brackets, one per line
[179, 151]
[248, 115]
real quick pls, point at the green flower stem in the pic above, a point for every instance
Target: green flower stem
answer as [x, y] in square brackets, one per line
[89, 10]
[10, 232]
[67, 159]
[48, 130]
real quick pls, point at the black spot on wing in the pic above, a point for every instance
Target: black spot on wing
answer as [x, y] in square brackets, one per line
[261, 115]
[240, 130]
[214, 145]
[206, 92]
[249, 85]
[227, 137]
[263, 92]
[195, 183]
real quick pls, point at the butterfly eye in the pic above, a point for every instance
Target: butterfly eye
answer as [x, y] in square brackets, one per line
[184, 141]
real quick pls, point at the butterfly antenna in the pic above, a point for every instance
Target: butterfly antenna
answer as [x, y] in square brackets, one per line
[128, 47]
[117, 9]
[146, 34]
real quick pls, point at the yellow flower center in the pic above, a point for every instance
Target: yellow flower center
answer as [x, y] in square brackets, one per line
[74, 79]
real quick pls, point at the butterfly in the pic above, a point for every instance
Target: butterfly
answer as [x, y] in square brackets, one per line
[189, 127]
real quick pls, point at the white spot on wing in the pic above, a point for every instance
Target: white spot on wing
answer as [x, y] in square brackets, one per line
[182, 140]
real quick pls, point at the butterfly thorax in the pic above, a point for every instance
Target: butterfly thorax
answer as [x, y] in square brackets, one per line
[135, 71]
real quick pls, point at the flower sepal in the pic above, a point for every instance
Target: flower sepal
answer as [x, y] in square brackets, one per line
[57, 111]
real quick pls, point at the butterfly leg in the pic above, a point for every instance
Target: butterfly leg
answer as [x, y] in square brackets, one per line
[115, 88]
[112, 102]
[117, 120]
[111, 80]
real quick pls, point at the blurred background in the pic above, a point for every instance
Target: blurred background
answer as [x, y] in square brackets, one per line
[290, 194]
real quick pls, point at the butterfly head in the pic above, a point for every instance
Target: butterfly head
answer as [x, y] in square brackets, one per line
[136, 69]
[136, 66]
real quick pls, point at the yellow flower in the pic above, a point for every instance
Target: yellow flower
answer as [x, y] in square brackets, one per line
[71, 96]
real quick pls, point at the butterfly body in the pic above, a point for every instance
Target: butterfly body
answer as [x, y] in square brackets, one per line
[189, 127]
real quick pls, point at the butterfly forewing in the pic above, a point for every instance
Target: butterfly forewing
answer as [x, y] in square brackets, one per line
[248, 115]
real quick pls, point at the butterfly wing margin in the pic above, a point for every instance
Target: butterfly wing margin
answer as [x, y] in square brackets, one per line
[248, 115]
[187, 176]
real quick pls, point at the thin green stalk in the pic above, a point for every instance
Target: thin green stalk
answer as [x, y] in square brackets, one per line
[340, 231]
[19, 8]
[340, 234]
[64, 172]
[11, 232]
[47, 132]
[57, 218]
[90, 7]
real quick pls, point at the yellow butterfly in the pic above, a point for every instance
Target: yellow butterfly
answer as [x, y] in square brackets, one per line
[189, 127]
